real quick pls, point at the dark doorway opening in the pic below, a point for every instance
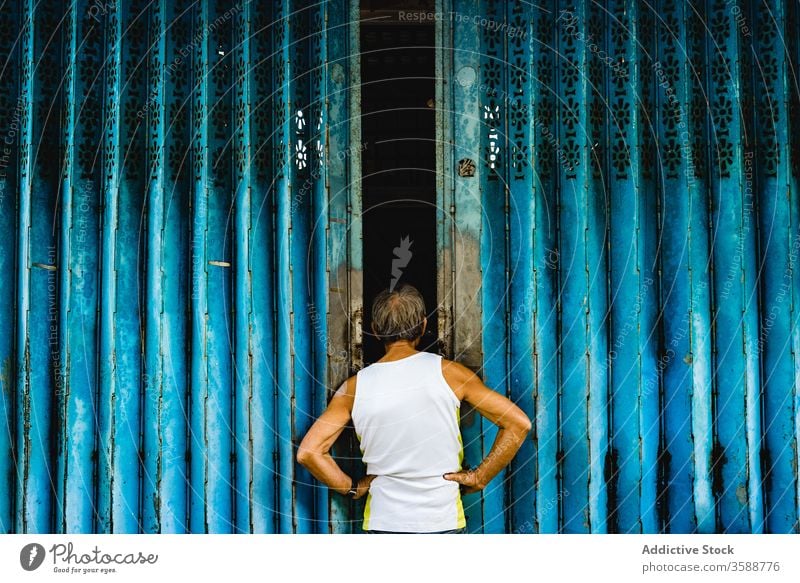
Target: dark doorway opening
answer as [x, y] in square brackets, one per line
[398, 157]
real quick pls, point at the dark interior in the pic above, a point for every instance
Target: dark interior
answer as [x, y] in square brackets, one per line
[398, 157]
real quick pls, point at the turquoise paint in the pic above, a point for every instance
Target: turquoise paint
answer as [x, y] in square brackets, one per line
[663, 397]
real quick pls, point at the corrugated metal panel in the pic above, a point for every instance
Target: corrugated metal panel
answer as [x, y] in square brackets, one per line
[634, 212]
[166, 180]
[180, 240]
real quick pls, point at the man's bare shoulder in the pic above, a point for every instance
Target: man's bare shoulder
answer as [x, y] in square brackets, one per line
[455, 370]
[457, 376]
[347, 389]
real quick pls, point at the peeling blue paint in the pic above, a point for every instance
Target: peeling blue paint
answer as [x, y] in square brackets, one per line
[180, 244]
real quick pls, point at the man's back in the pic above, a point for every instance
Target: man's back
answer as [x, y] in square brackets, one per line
[405, 412]
[406, 418]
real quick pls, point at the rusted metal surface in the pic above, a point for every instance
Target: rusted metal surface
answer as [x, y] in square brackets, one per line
[177, 199]
[181, 250]
[624, 229]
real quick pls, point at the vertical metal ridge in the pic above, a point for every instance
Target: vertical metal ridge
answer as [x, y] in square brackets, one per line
[79, 268]
[793, 27]
[199, 431]
[676, 174]
[110, 197]
[319, 276]
[751, 284]
[627, 194]
[243, 282]
[519, 324]
[778, 255]
[217, 366]
[176, 265]
[793, 90]
[283, 192]
[198, 389]
[41, 385]
[153, 361]
[64, 459]
[574, 181]
[11, 110]
[702, 310]
[596, 241]
[546, 258]
[264, 518]
[700, 284]
[301, 179]
[130, 296]
[494, 287]
[675, 449]
[644, 47]
[732, 255]
[23, 264]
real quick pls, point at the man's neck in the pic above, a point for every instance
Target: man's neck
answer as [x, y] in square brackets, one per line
[398, 350]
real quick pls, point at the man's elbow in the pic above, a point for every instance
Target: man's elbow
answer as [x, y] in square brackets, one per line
[304, 456]
[524, 425]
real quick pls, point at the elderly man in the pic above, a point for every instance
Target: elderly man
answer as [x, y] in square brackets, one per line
[405, 411]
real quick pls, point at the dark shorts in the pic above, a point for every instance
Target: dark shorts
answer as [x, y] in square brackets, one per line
[454, 531]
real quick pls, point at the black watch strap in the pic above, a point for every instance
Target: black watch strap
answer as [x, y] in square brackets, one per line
[353, 487]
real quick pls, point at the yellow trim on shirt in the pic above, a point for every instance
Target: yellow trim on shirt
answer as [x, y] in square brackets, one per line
[365, 525]
[461, 520]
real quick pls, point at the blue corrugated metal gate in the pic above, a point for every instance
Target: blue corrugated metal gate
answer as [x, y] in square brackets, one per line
[181, 256]
[171, 173]
[634, 220]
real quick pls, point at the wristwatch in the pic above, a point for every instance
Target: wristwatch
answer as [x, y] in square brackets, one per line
[353, 491]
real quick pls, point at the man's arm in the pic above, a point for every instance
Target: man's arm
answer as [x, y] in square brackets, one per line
[513, 423]
[314, 450]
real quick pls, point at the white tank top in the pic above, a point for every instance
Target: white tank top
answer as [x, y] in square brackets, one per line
[406, 419]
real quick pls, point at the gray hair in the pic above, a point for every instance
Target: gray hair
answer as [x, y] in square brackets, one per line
[398, 314]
